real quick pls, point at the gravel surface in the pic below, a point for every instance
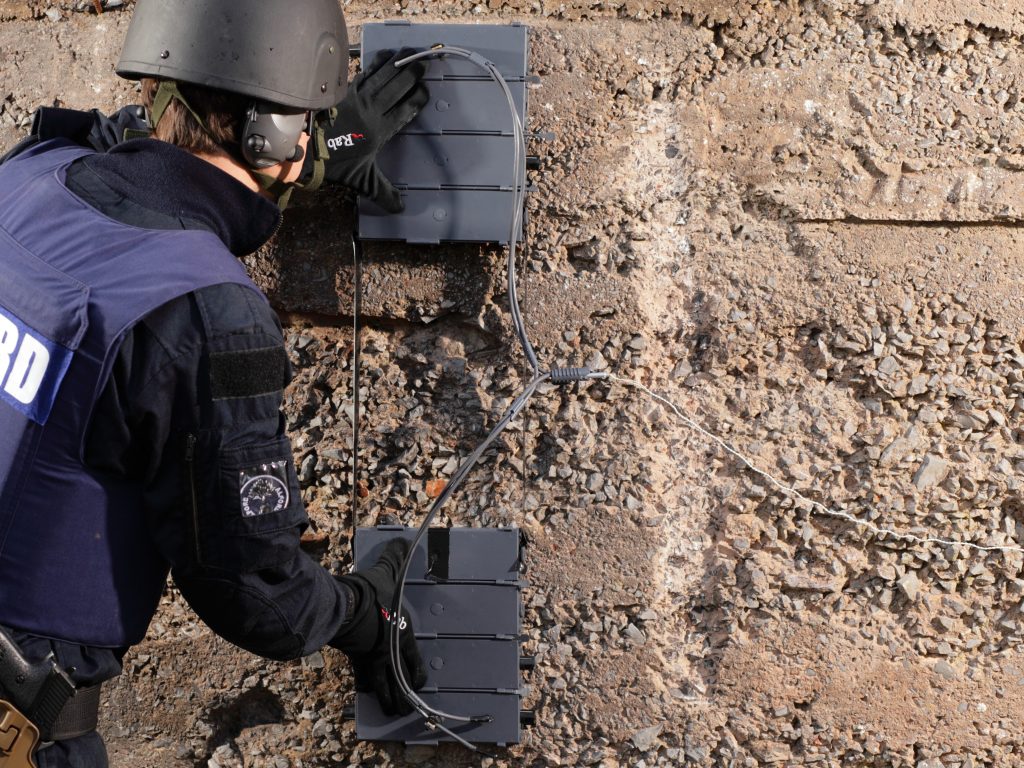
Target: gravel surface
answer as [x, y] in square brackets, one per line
[800, 222]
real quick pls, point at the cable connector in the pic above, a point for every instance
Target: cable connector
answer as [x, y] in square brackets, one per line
[569, 375]
[481, 719]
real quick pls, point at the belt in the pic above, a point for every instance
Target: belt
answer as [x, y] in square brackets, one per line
[79, 715]
[40, 702]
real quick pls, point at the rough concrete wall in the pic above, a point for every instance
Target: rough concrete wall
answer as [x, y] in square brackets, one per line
[800, 221]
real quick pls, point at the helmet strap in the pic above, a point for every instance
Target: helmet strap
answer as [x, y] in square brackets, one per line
[167, 92]
[279, 191]
[320, 152]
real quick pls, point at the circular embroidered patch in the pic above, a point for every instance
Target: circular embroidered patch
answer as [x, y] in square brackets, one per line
[262, 495]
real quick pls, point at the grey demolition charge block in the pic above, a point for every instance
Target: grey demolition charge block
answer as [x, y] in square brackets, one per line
[454, 162]
[464, 595]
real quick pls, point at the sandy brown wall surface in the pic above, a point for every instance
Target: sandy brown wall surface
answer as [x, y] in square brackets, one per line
[798, 220]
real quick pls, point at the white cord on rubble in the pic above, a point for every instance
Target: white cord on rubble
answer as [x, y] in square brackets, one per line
[793, 492]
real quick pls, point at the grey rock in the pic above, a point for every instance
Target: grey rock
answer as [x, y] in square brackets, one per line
[931, 472]
[894, 452]
[634, 634]
[918, 385]
[805, 581]
[307, 471]
[954, 606]
[886, 571]
[696, 754]
[597, 361]
[889, 365]
[945, 670]
[682, 370]
[322, 728]
[910, 585]
[646, 738]
[873, 405]
[971, 419]
[314, 661]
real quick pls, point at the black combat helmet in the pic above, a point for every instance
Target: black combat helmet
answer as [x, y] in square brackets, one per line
[290, 53]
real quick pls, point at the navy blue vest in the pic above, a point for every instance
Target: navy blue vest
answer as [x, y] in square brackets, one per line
[76, 560]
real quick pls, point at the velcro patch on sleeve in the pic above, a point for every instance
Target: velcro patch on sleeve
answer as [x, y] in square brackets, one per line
[247, 373]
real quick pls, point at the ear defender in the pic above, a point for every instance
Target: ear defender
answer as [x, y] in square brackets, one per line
[271, 136]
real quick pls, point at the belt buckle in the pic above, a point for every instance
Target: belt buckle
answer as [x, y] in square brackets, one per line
[18, 738]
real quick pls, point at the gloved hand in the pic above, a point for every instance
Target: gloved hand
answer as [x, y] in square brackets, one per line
[366, 637]
[381, 101]
[109, 131]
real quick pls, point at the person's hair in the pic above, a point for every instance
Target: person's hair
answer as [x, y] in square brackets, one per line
[223, 113]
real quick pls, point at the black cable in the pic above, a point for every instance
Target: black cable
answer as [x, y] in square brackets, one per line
[357, 302]
[518, 193]
[433, 716]
[518, 183]
[414, 700]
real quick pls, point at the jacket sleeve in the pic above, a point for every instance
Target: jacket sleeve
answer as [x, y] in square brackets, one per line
[193, 409]
[89, 128]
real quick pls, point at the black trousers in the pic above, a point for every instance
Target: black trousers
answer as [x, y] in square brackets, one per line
[87, 666]
[84, 752]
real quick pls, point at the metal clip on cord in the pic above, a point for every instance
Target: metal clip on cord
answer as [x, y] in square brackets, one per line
[569, 375]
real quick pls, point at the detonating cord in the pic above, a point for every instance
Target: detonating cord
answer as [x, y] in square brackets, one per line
[793, 493]
[516, 223]
[519, 180]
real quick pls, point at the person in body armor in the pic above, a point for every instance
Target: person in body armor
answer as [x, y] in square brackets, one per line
[141, 371]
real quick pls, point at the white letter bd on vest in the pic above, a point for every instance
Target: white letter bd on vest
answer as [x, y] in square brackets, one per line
[31, 368]
[23, 378]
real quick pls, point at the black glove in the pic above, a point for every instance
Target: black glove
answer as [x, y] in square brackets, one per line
[125, 124]
[381, 101]
[366, 637]
[88, 129]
